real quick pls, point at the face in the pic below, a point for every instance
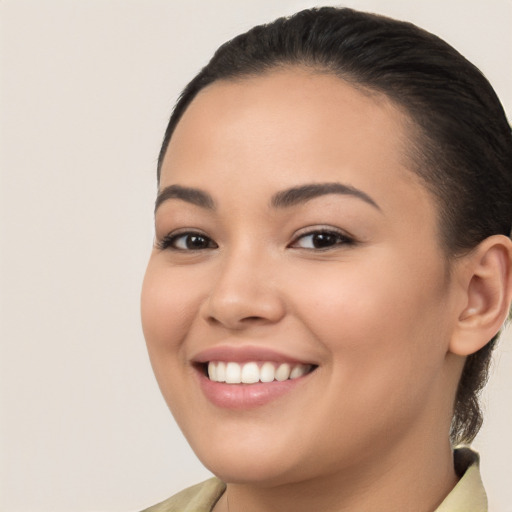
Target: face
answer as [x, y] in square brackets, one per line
[296, 257]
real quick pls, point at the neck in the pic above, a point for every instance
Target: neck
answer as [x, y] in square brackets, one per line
[383, 484]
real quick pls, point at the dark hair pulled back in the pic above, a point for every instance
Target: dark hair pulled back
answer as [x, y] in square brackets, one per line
[460, 142]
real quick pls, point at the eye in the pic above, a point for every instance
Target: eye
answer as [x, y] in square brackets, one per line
[321, 239]
[189, 241]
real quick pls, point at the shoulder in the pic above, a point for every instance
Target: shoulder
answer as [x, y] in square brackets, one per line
[198, 498]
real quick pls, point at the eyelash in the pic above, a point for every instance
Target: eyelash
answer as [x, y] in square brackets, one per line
[169, 241]
[339, 238]
[331, 235]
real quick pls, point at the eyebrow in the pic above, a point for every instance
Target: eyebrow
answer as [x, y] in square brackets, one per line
[283, 199]
[304, 193]
[188, 194]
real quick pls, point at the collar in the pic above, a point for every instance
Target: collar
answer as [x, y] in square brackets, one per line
[469, 493]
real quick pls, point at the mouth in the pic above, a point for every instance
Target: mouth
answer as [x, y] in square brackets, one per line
[253, 372]
[249, 377]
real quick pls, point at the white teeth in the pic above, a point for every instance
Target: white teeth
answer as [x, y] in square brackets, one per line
[212, 372]
[220, 373]
[233, 373]
[298, 371]
[267, 372]
[283, 372]
[252, 372]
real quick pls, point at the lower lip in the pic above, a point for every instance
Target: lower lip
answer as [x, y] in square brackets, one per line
[246, 396]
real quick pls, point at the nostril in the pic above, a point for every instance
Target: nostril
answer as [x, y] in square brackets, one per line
[240, 307]
[213, 320]
[236, 323]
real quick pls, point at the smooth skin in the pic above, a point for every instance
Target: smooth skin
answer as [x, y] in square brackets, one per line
[356, 283]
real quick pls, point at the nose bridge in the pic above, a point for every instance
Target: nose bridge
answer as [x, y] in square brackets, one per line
[245, 290]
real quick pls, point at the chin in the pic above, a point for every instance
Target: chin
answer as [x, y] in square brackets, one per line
[247, 463]
[255, 472]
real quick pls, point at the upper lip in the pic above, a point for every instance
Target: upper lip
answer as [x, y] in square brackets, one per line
[245, 354]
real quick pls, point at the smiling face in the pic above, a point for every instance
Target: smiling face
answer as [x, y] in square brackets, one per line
[296, 251]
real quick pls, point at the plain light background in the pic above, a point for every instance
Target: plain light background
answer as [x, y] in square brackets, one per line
[86, 88]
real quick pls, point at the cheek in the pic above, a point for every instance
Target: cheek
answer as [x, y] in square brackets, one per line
[383, 331]
[389, 310]
[167, 308]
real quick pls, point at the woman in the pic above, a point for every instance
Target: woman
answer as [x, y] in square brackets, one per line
[331, 268]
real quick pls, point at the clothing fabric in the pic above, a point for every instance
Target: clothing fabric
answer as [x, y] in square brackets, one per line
[198, 498]
[467, 496]
[469, 493]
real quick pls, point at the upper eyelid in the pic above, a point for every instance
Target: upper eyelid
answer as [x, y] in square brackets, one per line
[181, 231]
[165, 242]
[311, 230]
[344, 240]
[301, 233]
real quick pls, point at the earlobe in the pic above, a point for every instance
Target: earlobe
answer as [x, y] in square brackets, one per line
[488, 293]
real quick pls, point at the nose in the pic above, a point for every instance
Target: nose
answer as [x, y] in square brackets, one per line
[245, 293]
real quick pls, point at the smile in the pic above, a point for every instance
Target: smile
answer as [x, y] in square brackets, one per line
[253, 372]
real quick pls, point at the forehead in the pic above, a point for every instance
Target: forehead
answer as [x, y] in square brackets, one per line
[286, 127]
[285, 106]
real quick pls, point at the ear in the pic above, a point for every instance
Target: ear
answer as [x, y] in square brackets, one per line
[486, 276]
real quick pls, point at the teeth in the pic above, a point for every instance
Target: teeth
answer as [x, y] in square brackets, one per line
[212, 372]
[283, 372]
[298, 371]
[233, 373]
[250, 373]
[267, 372]
[220, 373]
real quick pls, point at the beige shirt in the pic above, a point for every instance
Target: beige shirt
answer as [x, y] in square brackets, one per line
[467, 496]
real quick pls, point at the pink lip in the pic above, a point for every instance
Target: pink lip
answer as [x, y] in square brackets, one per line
[246, 396]
[245, 354]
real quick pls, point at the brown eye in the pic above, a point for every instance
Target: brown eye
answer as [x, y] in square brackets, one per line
[322, 240]
[188, 242]
[193, 242]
